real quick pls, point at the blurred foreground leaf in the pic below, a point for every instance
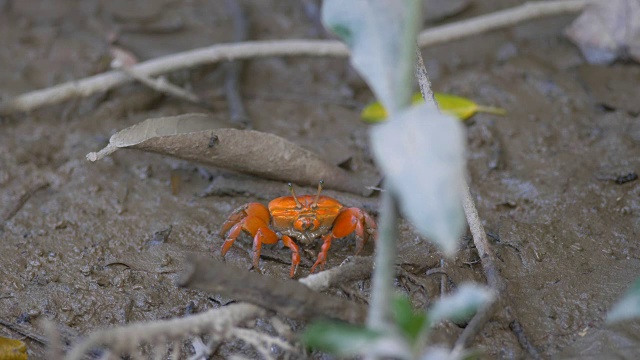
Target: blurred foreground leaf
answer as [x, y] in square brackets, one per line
[339, 338]
[628, 307]
[461, 108]
[382, 39]
[462, 304]
[348, 340]
[12, 349]
[422, 154]
[408, 321]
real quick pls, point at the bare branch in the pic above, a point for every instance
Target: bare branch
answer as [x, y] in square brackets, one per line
[262, 342]
[287, 297]
[497, 20]
[126, 339]
[254, 49]
[162, 85]
[355, 268]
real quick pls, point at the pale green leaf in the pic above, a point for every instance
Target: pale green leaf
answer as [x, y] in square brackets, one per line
[382, 38]
[462, 304]
[422, 154]
[411, 324]
[339, 338]
[628, 307]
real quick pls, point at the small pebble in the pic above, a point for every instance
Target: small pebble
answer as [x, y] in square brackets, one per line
[85, 270]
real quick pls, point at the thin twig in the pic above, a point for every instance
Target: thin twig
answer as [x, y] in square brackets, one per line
[25, 331]
[238, 114]
[488, 265]
[485, 252]
[27, 193]
[262, 342]
[127, 338]
[184, 60]
[423, 80]
[494, 279]
[499, 19]
[357, 268]
[486, 256]
[253, 49]
[162, 85]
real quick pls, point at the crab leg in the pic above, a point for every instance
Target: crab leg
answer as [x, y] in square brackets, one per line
[255, 209]
[348, 221]
[295, 254]
[254, 219]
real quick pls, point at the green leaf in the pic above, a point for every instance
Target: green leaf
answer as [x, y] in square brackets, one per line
[410, 323]
[339, 339]
[457, 106]
[422, 154]
[382, 38]
[628, 307]
[462, 304]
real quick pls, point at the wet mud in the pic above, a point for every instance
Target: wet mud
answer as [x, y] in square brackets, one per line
[95, 245]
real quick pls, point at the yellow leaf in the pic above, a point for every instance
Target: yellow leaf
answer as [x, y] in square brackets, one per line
[12, 349]
[459, 107]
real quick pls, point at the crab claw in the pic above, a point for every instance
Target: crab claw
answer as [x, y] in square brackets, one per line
[348, 221]
[253, 218]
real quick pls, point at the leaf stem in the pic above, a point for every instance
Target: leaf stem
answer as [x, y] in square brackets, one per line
[423, 80]
[384, 268]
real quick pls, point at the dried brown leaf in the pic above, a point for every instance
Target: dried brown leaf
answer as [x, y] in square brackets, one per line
[198, 138]
[607, 31]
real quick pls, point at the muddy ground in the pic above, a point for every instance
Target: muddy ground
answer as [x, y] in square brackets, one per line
[81, 243]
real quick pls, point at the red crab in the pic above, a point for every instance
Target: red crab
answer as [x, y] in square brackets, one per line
[304, 218]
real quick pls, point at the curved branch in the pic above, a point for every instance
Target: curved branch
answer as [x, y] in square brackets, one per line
[253, 49]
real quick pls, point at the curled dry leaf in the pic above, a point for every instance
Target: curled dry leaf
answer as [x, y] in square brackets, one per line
[607, 31]
[199, 138]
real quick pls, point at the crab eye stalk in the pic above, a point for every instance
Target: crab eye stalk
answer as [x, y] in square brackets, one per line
[315, 203]
[295, 198]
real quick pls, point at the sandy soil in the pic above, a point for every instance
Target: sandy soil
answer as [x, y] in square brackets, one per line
[80, 243]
